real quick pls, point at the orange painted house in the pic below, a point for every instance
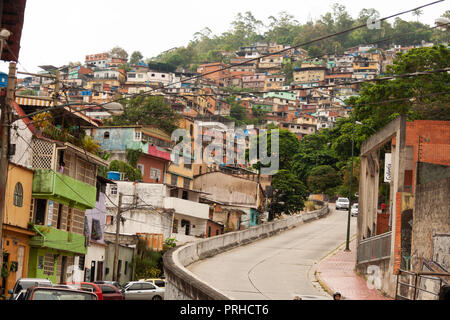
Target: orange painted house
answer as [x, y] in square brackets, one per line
[16, 234]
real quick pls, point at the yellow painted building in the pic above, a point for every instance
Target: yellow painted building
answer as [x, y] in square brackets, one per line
[16, 234]
[274, 82]
[182, 175]
[306, 119]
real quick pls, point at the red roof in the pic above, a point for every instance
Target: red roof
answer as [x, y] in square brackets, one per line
[12, 19]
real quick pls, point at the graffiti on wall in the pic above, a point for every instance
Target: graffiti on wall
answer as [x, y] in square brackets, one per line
[439, 263]
[441, 251]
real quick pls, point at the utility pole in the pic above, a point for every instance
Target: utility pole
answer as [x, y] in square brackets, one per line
[6, 116]
[116, 249]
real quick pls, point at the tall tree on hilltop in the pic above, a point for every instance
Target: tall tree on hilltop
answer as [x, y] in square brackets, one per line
[136, 57]
[118, 52]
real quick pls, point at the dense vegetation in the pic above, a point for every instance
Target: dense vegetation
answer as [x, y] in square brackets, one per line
[147, 110]
[284, 29]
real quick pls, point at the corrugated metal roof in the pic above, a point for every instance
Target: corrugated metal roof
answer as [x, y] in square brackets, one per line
[12, 17]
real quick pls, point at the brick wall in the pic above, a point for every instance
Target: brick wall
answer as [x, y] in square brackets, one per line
[398, 234]
[382, 223]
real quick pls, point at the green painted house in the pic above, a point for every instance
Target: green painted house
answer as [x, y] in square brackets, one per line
[64, 186]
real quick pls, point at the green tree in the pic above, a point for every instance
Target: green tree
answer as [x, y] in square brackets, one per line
[136, 57]
[118, 52]
[417, 13]
[314, 150]
[323, 179]
[343, 190]
[132, 174]
[238, 113]
[423, 97]
[289, 193]
[148, 110]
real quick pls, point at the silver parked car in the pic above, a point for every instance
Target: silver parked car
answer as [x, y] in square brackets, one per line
[342, 203]
[354, 210]
[142, 290]
[23, 284]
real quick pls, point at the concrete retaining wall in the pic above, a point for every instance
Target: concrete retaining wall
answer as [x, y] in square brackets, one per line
[181, 284]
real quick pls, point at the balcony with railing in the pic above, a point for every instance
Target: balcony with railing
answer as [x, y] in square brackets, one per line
[55, 133]
[48, 237]
[48, 184]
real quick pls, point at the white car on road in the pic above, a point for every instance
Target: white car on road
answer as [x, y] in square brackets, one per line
[354, 210]
[342, 203]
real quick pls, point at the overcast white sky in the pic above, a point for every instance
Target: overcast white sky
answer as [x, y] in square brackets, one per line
[56, 32]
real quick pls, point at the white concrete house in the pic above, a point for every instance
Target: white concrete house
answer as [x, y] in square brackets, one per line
[164, 209]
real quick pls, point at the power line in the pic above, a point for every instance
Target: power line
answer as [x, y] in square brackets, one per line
[343, 84]
[274, 53]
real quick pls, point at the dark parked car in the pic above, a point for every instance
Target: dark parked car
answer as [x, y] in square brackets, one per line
[112, 283]
[110, 292]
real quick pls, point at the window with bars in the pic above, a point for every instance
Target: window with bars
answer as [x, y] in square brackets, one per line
[155, 174]
[18, 195]
[113, 190]
[137, 135]
[173, 179]
[96, 233]
[175, 226]
[49, 264]
[186, 183]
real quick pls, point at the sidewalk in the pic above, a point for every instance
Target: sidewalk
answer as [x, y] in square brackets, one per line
[336, 273]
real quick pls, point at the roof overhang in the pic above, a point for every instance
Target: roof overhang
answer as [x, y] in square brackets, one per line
[91, 158]
[12, 17]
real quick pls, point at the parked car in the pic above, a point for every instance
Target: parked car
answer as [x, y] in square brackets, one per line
[110, 292]
[142, 290]
[342, 203]
[112, 283]
[88, 286]
[354, 210]
[25, 283]
[53, 293]
[160, 283]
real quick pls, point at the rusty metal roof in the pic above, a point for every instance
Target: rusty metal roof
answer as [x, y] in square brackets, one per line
[12, 17]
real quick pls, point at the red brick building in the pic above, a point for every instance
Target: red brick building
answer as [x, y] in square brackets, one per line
[212, 72]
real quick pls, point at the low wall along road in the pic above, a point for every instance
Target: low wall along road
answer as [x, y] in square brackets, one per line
[181, 284]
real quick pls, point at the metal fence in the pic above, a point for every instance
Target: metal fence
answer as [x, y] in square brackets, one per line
[419, 285]
[375, 248]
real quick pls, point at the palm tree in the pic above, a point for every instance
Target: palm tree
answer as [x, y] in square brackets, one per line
[417, 13]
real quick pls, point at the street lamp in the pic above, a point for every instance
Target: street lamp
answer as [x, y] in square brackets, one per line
[347, 242]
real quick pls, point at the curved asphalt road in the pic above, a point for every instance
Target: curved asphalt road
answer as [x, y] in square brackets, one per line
[280, 267]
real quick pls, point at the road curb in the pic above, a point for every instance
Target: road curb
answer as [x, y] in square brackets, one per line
[322, 283]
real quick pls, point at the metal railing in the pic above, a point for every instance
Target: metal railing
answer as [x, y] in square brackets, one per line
[413, 286]
[375, 248]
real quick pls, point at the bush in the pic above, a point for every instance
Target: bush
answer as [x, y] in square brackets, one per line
[310, 206]
[133, 174]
